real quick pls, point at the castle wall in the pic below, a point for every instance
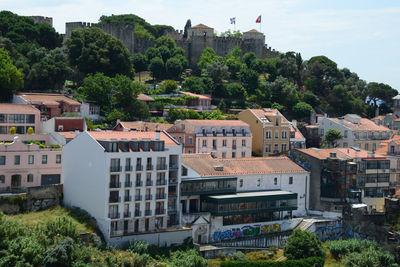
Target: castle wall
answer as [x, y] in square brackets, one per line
[41, 19]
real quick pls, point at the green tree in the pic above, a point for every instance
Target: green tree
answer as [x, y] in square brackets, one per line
[167, 42]
[11, 78]
[157, 68]
[310, 98]
[151, 53]
[97, 88]
[249, 79]
[125, 92]
[301, 110]
[332, 136]
[173, 68]
[92, 50]
[283, 92]
[188, 25]
[236, 91]
[207, 57]
[194, 84]
[249, 58]
[303, 244]
[231, 34]
[170, 86]
[380, 91]
[139, 62]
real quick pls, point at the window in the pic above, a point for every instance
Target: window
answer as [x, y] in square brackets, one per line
[277, 121]
[203, 131]
[29, 178]
[2, 179]
[17, 159]
[223, 155]
[58, 158]
[114, 147]
[268, 135]
[204, 143]
[268, 148]
[391, 149]
[3, 117]
[233, 154]
[214, 144]
[240, 182]
[258, 182]
[233, 132]
[180, 139]
[244, 142]
[276, 134]
[2, 160]
[345, 144]
[345, 134]
[283, 148]
[224, 142]
[366, 146]
[184, 171]
[276, 148]
[275, 181]
[284, 134]
[290, 180]
[373, 146]
[322, 132]
[243, 154]
[190, 142]
[224, 132]
[31, 159]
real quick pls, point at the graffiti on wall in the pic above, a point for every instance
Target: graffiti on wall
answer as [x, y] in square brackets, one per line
[246, 231]
[329, 232]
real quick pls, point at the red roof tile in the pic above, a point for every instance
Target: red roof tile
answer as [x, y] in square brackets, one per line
[47, 99]
[145, 126]
[143, 97]
[201, 26]
[197, 95]
[18, 108]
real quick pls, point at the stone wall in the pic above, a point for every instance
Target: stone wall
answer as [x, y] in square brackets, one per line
[41, 19]
[42, 197]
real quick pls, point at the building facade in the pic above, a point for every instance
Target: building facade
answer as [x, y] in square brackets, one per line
[128, 181]
[26, 165]
[270, 131]
[221, 138]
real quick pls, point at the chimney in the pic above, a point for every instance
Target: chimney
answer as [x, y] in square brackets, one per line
[294, 123]
[158, 135]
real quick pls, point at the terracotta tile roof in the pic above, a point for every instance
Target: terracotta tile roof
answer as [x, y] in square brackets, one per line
[252, 31]
[364, 125]
[265, 112]
[384, 145]
[201, 26]
[205, 165]
[217, 123]
[143, 97]
[312, 126]
[145, 126]
[117, 135]
[18, 108]
[343, 153]
[47, 99]
[197, 95]
[297, 133]
[68, 135]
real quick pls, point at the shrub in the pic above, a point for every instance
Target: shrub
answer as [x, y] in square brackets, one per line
[341, 248]
[303, 244]
[239, 256]
[307, 262]
[13, 130]
[188, 258]
[370, 257]
[30, 130]
[138, 246]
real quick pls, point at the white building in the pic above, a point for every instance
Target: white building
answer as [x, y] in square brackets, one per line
[241, 193]
[128, 181]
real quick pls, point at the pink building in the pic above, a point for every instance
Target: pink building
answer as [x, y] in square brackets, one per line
[221, 138]
[200, 102]
[23, 166]
[19, 116]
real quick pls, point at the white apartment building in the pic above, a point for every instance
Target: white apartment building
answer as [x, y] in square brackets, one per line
[128, 181]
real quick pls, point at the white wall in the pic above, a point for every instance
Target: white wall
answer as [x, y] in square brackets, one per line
[327, 124]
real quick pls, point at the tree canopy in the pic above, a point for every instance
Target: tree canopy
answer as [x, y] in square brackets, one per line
[11, 78]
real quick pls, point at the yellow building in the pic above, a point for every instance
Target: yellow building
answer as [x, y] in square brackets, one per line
[270, 130]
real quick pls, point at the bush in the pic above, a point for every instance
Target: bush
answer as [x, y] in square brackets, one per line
[307, 262]
[239, 256]
[303, 244]
[341, 248]
[138, 246]
[370, 257]
[188, 258]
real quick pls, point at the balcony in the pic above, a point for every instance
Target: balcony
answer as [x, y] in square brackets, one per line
[114, 215]
[138, 213]
[128, 168]
[139, 183]
[115, 168]
[127, 214]
[233, 146]
[161, 166]
[147, 213]
[160, 196]
[114, 199]
[149, 182]
[160, 211]
[161, 182]
[139, 167]
[138, 198]
[127, 198]
[148, 197]
[128, 183]
[149, 167]
[173, 166]
[115, 184]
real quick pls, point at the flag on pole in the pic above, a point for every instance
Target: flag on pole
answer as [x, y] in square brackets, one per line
[233, 20]
[258, 20]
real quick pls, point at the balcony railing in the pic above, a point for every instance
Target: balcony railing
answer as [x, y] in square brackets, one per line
[138, 198]
[128, 183]
[139, 183]
[138, 213]
[161, 166]
[148, 197]
[115, 168]
[149, 167]
[160, 196]
[127, 214]
[147, 213]
[160, 211]
[114, 199]
[149, 182]
[139, 167]
[128, 168]
[127, 198]
[114, 215]
[115, 184]
[173, 166]
[161, 182]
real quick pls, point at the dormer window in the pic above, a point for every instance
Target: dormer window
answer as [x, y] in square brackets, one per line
[114, 147]
[277, 121]
[233, 132]
[203, 131]
[224, 132]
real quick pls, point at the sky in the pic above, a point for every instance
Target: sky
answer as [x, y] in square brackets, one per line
[362, 35]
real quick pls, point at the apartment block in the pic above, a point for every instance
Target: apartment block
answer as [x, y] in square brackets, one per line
[221, 138]
[270, 131]
[128, 181]
[26, 165]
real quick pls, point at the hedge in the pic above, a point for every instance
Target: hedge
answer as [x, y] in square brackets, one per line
[312, 261]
